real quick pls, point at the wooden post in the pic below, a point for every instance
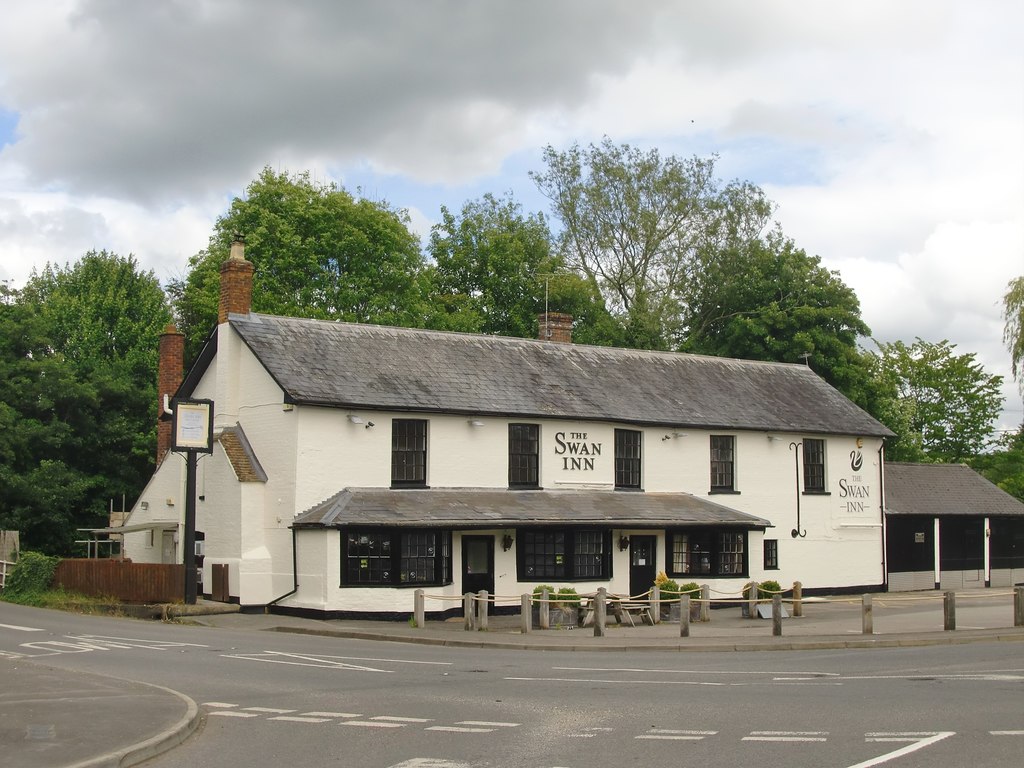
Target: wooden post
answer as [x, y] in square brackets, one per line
[705, 606]
[752, 600]
[656, 604]
[777, 615]
[419, 610]
[467, 611]
[866, 620]
[798, 599]
[544, 610]
[600, 611]
[1018, 607]
[481, 610]
[684, 615]
[526, 614]
[949, 611]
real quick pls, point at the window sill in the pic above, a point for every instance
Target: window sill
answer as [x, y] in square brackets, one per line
[723, 492]
[816, 493]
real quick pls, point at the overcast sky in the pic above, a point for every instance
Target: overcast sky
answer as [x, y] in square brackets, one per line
[890, 134]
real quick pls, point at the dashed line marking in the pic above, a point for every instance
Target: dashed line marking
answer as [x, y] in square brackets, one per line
[373, 724]
[20, 628]
[668, 734]
[921, 740]
[391, 719]
[457, 729]
[233, 713]
[331, 714]
[488, 724]
[787, 736]
[218, 704]
[269, 710]
[301, 719]
[1006, 733]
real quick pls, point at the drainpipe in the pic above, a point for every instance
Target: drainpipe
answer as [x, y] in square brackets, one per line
[295, 575]
[881, 498]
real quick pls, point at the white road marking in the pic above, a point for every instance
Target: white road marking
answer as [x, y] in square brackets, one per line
[301, 719]
[673, 735]
[656, 671]
[218, 704]
[925, 740]
[1006, 733]
[402, 719]
[232, 713]
[331, 714]
[488, 724]
[9, 655]
[21, 629]
[787, 736]
[300, 660]
[373, 724]
[596, 680]
[269, 710]
[430, 762]
[458, 729]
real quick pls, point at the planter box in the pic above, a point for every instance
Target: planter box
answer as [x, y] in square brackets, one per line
[670, 611]
[558, 618]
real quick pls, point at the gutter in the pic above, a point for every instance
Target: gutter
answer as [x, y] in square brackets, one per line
[295, 575]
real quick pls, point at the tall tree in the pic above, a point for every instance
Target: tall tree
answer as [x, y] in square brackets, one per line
[941, 405]
[76, 398]
[1013, 331]
[634, 223]
[318, 252]
[766, 299]
[1004, 464]
[494, 271]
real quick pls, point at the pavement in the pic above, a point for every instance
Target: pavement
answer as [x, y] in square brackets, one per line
[56, 718]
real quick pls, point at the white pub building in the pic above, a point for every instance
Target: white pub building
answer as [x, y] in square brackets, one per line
[353, 464]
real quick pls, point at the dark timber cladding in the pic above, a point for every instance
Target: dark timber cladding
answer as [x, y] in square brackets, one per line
[360, 366]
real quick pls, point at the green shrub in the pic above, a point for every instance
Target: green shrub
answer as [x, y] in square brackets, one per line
[767, 589]
[538, 592]
[669, 589]
[692, 588]
[32, 574]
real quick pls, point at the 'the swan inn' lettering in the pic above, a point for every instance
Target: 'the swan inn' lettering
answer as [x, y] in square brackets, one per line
[576, 451]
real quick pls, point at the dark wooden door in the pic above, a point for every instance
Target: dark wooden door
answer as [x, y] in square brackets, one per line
[641, 563]
[478, 564]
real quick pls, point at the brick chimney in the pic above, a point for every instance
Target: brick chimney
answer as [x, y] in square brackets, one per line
[169, 375]
[554, 326]
[235, 283]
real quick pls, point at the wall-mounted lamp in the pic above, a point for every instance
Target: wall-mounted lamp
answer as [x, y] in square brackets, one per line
[355, 419]
[623, 543]
[773, 438]
[506, 542]
[368, 425]
[475, 423]
[144, 504]
[674, 435]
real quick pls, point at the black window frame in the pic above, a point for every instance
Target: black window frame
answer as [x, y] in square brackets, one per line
[571, 551]
[813, 450]
[393, 568]
[523, 456]
[628, 456]
[771, 554]
[707, 553]
[723, 463]
[408, 463]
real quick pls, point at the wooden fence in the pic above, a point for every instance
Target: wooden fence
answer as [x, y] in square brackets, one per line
[122, 579]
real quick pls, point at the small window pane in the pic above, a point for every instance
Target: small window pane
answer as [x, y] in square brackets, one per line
[523, 455]
[771, 554]
[722, 448]
[627, 458]
[814, 466]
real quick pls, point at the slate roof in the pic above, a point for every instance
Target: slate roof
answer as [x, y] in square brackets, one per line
[496, 508]
[944, 489]
[371, 367]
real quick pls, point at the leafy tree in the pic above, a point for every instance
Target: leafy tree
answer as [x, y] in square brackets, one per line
[1004, 465]
[318, 252]
[77, 400]
[634, 223]
[941, 405]
[766, 299]
[1013, 331]
[493, 271]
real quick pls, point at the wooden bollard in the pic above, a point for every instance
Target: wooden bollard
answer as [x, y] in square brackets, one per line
[866, 620]
[949, 611]
[705, 606]
[482, 605]
[684, 615]
[777, 615]
[656, 604]
[600, 611]
[1018, 607]
[467, 612]
[752, 600]
[526, 614]
[419, 609]
[544, 611]
[798, 599]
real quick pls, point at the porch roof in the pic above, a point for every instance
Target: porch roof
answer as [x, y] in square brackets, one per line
[497, 508]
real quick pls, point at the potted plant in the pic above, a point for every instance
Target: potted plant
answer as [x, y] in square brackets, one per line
[565, 610]
[670, 592]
